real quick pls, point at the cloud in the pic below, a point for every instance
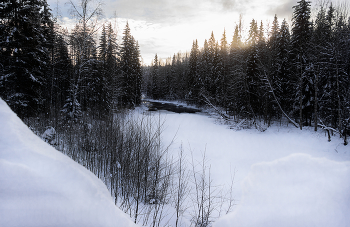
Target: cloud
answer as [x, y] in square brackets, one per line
[283, 10]
[166, 11]
[167, 26]
[228, 4]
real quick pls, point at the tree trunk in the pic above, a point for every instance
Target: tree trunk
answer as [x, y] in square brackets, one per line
[301, 98]
[338, 95]
[316, 101]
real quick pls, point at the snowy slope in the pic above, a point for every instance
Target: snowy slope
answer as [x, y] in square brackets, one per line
[298, 190]
[39, 186]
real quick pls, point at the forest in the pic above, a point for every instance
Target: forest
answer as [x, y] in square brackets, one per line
[47, 69]
[82, 90]
[298, 72]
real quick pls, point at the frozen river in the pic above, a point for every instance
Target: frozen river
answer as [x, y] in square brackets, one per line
[283, 171]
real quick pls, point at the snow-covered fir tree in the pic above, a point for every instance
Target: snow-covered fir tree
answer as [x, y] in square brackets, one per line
[26, 40]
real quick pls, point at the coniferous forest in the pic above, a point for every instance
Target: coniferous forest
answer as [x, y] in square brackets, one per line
[46, 69]
[298, 72]
[80, 85]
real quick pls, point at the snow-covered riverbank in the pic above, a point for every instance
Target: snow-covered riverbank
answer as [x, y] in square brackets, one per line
[282, 177]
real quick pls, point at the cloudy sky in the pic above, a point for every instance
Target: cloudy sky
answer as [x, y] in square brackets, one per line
[166, 27]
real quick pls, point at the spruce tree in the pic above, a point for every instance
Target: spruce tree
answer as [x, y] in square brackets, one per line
[237, 86]
[194, 81]
[253, 65]
[300, 41]
[283, 86]
[25, 42]
[137, 73]
[61, 73]
[103, 46]
[155, 78]
[223, 68]
[212, 64]
[130, 66]
[126, 67]
[205, 67]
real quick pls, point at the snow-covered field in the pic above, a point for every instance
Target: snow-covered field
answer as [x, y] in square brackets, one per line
[39, 186]
[282, 177]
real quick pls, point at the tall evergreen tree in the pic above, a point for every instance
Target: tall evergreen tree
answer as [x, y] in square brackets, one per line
[300, 40]
[137, 73]
[237, 89]
[283, 87]
[223, 68]
[155, 78]
[213, 58]
[253, 73]
[61, 73]
[130, 70]
[205, 64]
[194, 80]
[272, 61]
[103, 46]
[26, 40]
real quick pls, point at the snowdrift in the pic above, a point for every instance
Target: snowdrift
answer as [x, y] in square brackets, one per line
[39, 186]
[298, 190]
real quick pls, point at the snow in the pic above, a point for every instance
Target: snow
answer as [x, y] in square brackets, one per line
[282, 177]
[49, 135]
[298, 190]
[40, 186]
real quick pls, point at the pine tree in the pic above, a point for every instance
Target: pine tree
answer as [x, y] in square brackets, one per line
[130, 70]
[111, 51]
[223, 68]
[272, 62]
[237, 89]
[194, 81]
[137, 73]
[172, 80]
[320, 40]
[126, 68]
[61, 73]
[155, 78]
[283, 87]
[25, 42]
[272, 45]
[213, 52]
[265, 71]
[300, 40]
[205, 64]
[253, 66]
[106, 81]
[103, 46]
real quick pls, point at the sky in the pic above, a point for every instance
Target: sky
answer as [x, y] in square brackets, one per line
[166, 27]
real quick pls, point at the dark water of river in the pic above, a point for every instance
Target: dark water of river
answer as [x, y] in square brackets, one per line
[155, 106]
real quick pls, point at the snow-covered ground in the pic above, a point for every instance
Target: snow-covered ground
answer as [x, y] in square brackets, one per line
[282, 177]
[40, 186]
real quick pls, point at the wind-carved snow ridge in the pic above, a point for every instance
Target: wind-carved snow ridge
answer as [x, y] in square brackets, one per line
[298, 190]
[40, 186]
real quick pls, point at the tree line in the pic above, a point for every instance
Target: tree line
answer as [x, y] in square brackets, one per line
[301, 72]
[47, 69]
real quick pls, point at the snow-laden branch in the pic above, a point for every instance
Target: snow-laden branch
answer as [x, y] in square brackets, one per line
[279, 105]
[207, 101]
